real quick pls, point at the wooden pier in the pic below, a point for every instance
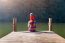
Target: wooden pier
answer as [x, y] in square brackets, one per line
[32, 37]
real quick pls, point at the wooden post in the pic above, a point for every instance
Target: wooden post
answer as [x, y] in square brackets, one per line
[14, 23]
[50, 24]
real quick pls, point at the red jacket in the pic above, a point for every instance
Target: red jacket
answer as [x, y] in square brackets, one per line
[32, 18]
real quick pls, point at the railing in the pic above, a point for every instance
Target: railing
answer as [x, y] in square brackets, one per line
[15, 24]
[50, 24]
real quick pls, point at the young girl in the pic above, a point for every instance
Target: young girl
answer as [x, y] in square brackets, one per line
[31, 23]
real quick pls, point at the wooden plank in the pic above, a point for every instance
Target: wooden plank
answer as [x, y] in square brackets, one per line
[32, 37]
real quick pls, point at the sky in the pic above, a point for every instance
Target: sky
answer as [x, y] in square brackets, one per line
[9, 7]
[41, 8]
[17, 7]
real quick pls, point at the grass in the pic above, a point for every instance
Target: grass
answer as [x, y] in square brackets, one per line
[6, 28]
[59, 28]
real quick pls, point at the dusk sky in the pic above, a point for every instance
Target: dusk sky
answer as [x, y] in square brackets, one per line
[41, 8]
[18, 7]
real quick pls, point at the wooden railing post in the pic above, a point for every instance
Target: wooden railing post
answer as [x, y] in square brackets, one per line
[50, 24]
[14, 23]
